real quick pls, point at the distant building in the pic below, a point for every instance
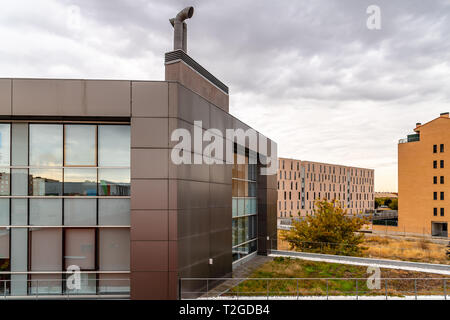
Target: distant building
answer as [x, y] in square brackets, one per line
[300, 183]
[423, 180]
[391, 195]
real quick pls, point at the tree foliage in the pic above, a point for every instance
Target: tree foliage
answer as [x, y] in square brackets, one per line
[329, 230]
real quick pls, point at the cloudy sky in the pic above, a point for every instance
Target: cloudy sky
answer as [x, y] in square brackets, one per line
[307, 73]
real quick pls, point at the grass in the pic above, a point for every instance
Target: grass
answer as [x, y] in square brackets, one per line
[287, 268]
[420, 250]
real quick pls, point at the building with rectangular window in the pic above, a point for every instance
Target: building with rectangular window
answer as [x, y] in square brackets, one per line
[87, 182]
[301, 182]
[423, 191]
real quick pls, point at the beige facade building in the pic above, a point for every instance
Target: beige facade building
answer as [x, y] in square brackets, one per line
[301, 182]
[423, 187]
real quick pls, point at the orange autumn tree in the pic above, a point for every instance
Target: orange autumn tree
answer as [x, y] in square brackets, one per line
[329, 230]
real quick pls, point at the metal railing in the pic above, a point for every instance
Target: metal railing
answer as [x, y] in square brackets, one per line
[96, 288]
[313, 288]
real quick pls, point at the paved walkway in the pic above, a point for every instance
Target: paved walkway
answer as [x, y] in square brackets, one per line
[242, 271]
[382, 263]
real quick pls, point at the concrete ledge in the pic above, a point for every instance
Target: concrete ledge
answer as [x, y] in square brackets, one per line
[382, 263]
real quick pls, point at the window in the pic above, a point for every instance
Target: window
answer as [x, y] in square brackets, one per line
[5, 261]
[434, 164]
[80, 145]
[441, 148]
[117, 211]
[80, 212]
[434, 211]
[114, 249]
[114, 145]
[434, 148]
[45, 212]
[80, 182]
[442, 163]
[79, 247]
[46, 145]
[114, 182]
[4, 182]
[442, 179]
[46, 250]
[5, 136]
[54, 171]
[434, 195]
[442, 195]
[245, 208]
[442, 212]
[434, 180]
[4, 212]
[45, 182]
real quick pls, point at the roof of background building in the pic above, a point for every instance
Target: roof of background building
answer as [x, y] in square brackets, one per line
[386, 195]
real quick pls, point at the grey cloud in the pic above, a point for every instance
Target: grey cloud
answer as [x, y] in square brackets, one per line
[323, 86]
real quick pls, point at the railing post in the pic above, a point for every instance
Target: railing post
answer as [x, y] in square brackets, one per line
[327, 289]
[207, 288]
[297, 289]
[4, 288]
[267, 286]
[445, 289]
[37, 288]
[179, 289]
[385, 288]
[415, 288]
[356, 289]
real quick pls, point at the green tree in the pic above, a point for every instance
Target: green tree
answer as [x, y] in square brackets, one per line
[387, 202]
[329, 230]
[378, 202]
[394, 204]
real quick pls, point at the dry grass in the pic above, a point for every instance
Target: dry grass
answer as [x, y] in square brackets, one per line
[420, 250]
[410, 250]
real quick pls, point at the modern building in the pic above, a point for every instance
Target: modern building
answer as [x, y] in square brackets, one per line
[423, 186]
[300, 183]
[88, 181]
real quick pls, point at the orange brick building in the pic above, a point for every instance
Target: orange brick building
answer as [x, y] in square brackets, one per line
[302, 182]
[424, 179]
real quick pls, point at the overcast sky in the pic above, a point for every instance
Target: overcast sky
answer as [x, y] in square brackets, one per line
[308, 74]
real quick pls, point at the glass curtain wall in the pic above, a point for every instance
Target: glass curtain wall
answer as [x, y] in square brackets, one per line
[244, 206]
[64, 204]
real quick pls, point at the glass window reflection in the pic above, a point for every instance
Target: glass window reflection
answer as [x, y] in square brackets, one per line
[80, 145]
[5, 138]
[114, 182]
[80, 182]
[46, 145]
[4, 182]
[114, 145]
[45, 182]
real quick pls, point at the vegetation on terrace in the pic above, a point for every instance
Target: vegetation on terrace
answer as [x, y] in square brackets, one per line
[324, 280]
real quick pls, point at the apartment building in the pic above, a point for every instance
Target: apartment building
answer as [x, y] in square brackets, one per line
[300, 183]
[423, 179]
